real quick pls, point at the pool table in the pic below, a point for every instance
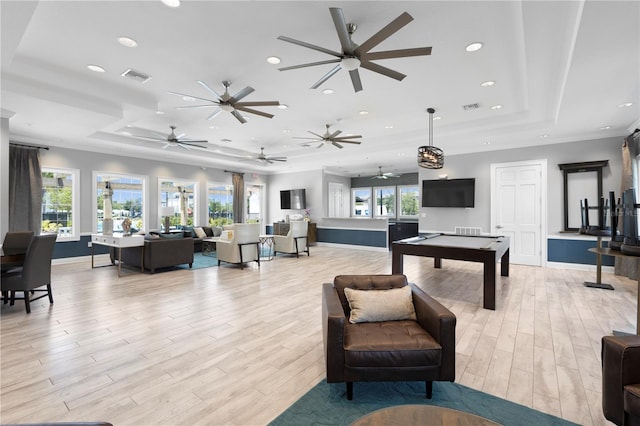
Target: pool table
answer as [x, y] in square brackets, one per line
[485, 249]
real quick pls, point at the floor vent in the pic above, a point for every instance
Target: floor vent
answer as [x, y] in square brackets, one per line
[470, 106]
[136, 75]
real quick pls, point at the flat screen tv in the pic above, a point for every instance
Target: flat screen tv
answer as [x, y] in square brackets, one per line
[448, 192]
[293, 199]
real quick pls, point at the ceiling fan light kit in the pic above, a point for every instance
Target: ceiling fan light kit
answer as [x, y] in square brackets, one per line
[429, 156]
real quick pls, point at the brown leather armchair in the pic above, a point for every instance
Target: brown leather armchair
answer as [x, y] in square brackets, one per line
[402, 350]
[621, 379]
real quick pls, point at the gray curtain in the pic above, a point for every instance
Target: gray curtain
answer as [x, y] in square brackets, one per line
[25, 189]
[238, 197]
[625, 266]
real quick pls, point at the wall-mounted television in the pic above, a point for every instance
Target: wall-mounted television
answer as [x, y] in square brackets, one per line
[448, 192]
[293, 199]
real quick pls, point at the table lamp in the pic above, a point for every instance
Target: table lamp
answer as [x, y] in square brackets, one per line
[167, 212]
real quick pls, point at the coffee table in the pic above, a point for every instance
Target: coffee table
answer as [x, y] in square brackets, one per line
[266, 241]
[402, 415]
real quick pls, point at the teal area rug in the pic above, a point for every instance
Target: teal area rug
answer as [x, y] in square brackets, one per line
[327, 404]
[200, 261]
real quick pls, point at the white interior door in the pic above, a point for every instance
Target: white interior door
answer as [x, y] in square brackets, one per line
[518, 208]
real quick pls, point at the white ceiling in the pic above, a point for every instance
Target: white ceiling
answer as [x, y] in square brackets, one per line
[561, 69]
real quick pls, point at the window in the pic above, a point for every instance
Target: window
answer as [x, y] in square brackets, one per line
[180, 196]
[408, 200]
[254, 203]
[220, 199]
[60, 202]
[385, 201]
[127, 200]
[361, 202]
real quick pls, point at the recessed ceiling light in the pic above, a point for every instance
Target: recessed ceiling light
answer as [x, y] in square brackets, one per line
[543, 136]
[285, 130]
[273, 60]
[160, 112]
[496, 107]
[626, 104]
[282, 106]
[127, 42]
[605, 127]
[363, 112]
[171, 3]
[95, 68]
[487, 142]
[437, 117]
[388, 127]
[487, 83]
[327, 91]
[473, 47]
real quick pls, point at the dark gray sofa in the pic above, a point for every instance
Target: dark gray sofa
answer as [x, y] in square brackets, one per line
[159, 253]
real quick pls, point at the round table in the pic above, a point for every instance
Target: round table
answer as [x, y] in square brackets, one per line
[404, 415]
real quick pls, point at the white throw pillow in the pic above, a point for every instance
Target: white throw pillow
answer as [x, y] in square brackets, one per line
[380, 305]
[200, 232]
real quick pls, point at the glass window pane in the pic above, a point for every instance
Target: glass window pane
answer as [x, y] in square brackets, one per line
[126, 200]
[58, 199]
[181, 197]
[220, 199]
[385, 201]
[409, 200]
[361, 202]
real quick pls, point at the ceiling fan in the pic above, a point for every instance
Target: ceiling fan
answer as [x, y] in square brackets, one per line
[354, 56]
[173, 140]
[330, 138]
[228, 103]
[267, 158]
[381, 175]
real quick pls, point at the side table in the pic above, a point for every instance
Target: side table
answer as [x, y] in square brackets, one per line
[208, 246]
[266, 242]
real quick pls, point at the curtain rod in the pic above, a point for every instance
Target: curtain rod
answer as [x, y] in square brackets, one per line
[231, 171]
[29, 146]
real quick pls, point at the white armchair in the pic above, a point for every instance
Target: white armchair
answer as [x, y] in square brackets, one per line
[241, 246]
[295, 242]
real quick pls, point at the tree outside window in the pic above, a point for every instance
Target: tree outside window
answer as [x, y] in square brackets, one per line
[220, 199]
[127, 200]
[409, 200]
[59, 201]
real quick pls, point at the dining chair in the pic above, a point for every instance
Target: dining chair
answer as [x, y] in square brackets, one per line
[15, 242]
[35, 272]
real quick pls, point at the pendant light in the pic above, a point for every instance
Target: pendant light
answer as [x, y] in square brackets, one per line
[429, 156]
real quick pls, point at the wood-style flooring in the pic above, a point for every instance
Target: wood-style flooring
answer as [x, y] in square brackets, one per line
[228, 346]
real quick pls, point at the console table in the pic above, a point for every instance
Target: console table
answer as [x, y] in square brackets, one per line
[118, 241]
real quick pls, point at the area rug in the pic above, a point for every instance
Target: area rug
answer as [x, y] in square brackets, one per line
[200, 261]
[327, 404]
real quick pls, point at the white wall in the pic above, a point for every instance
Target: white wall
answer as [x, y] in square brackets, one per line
[310, 181]
[478, 165]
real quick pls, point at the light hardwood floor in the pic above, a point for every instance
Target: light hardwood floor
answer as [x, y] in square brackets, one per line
[229, 346]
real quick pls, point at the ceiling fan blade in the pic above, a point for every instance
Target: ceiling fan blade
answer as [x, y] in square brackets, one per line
[277, 158]
[334, 134]
[191, 96]
[399, 53]
[383, 70]
[344, 138]
[194, 145]
[315, 134]
[238, 116]
[310, 139]
[320, 145]
[191, 141]
[341, 28]
[207, 87]
[346, 141]
[310, 46]
[355, 80]
[167, 145]
[257, 103]
[326, 77]
[253, 111]
[214, 114]
[310, 64]
[181, 135]
[149, 138]
[337, 144]
[384, 33]
[241, 94]
[196, 106]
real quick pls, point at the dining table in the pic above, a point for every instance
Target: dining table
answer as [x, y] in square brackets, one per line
[12, 257]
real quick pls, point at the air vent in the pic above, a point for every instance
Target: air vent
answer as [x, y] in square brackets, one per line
[470, 106]
[136, 75]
